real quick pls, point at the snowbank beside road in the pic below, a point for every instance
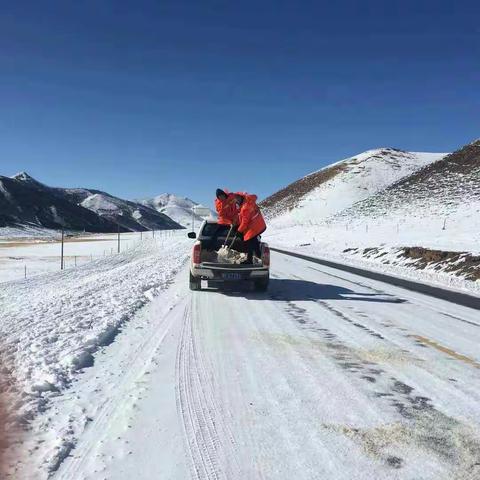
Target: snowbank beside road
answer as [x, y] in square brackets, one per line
[346, 244]
[53, 324]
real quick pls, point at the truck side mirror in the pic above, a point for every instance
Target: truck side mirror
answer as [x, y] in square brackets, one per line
[192, 235]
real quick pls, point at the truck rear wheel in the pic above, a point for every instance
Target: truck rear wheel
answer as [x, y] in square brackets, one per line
[261, 285]
[194, 282]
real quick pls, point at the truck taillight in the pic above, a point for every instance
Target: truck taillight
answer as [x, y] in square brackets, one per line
[266, 256]
[197, 249]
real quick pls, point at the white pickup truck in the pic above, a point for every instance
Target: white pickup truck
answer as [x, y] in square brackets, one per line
[207, 271]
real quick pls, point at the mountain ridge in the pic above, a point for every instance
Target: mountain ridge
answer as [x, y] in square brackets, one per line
[337, 186]
[177, 207]
[24, 201]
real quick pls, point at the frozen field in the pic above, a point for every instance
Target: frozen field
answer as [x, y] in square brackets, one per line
[42, 254]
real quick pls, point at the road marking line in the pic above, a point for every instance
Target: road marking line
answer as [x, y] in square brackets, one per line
[446, 350]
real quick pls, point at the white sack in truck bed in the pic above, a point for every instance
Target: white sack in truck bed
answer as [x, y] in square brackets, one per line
[230, 256]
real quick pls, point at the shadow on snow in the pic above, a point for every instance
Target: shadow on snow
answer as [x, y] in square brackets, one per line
[287, 290]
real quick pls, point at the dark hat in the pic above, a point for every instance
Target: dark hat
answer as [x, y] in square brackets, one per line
[219, 192]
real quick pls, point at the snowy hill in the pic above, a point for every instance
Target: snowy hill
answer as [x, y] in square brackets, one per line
[412, 214]
[449, 187]
[176, 207]
[26, 203]
[328, 191]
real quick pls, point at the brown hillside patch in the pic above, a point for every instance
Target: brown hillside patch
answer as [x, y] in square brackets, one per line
[289, 196]
[462, 162]
[460, 264]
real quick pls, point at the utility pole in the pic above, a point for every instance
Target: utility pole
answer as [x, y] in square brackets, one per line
[118, 239]
[61, 259]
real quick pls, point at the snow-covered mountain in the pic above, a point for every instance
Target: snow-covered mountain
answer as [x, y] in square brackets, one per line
[26, 202]
[393, 209]
[130, 215]
[449, 187]
[178, 208]
[330, 190]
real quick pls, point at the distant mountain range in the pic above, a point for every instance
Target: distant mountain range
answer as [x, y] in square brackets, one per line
[178, 208]
[26, 202]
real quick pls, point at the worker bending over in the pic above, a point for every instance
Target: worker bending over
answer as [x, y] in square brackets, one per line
[251, 224]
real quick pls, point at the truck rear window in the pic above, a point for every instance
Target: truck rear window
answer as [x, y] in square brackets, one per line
[210, 228]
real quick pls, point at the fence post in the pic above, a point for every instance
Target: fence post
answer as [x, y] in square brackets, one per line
[118, 239]
[61, 258]
[25, 271]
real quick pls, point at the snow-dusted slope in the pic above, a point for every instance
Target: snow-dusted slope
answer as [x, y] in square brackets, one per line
[425, 224]
[176, 207]
[446, 188]
[336, 187]
[26, 202]
[130, 215]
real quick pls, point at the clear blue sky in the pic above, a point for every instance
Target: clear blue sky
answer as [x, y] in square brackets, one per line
[141, 97]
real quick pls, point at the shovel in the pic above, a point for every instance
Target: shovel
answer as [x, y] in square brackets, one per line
[225, 250]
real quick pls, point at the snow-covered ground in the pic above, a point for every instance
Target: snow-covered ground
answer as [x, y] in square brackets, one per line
[331, 240]
[27, 231]
[328, 375]
[41, 254]
[52, 325]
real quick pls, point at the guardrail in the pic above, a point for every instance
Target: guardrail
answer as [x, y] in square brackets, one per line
[459, 298]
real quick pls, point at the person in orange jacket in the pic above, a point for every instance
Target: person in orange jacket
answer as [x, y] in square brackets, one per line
[251, 223]
[226, 207]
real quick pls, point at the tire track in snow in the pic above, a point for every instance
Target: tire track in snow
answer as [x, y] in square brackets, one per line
[73, 468]
[209, 443]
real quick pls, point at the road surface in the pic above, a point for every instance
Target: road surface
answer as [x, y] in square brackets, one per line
[326, 376]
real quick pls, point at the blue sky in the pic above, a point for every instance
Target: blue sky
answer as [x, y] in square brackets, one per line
[138, 98]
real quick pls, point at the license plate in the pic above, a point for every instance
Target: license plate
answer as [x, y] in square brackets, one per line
[203, 283]
[231, 276]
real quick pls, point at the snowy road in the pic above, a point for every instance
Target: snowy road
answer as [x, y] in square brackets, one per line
[327, 375]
